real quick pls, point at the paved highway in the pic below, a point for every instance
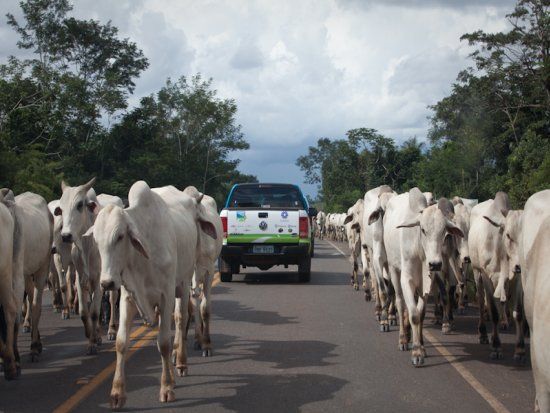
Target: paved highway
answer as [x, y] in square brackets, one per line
[280, 346]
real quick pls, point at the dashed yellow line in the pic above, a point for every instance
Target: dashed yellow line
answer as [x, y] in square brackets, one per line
[467, 375]
[86, 390]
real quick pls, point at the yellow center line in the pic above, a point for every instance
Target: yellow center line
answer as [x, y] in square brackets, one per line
[86, 390]
[467, 375]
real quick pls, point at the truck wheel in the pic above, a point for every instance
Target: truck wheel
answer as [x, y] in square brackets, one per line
[312, 247]
[226, 277]
[304, 270]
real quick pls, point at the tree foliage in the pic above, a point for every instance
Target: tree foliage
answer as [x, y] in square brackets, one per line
[491, 133]
[63, 113]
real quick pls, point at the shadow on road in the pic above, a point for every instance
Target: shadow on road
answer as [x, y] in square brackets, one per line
[235, 311]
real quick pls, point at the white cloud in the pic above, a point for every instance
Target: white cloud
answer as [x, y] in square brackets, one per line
[303, 70]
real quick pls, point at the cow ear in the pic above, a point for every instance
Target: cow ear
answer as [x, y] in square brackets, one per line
[348, 219]
[414, 222]
[453, 229]
[136, 242]
[494, 221]
[93, 207]
[208, 228]
[57, 211]
[374, 216]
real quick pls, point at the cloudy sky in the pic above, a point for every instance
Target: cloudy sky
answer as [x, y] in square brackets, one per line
[301, 70]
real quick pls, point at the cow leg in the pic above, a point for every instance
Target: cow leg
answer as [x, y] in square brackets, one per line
[443, 295]
[70, 278]
[401, 311]
[480, 292]
[8, 349]
[95, 308]
[354, 275]
[195, 306]
[366, 272]
[519, 318]
[382, 296]
[39, 282]
[83, 307]
[410, 287]
[127, 312]
[496, 350]
[62, 280]
[167, 380]
[205, 314]
[182, 319]
[29, 290]
[113, 298]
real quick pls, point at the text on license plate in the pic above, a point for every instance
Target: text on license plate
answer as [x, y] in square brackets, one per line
[263, 249]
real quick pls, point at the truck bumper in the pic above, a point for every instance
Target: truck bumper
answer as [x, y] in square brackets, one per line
[284, 254]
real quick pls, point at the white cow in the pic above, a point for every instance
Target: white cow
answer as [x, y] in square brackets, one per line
[321, 224]
[78, 207]
[462, 220]
[373, 250]
[353, 222]
[208, 251]
[149, 251]
[31, 229]
[413, 234]
[62, 263]
[534, 255]
[494, 231]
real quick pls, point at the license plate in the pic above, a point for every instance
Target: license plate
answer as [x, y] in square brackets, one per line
[263, 249]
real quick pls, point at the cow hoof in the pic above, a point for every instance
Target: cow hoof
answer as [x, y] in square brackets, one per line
[483, 340]
[167, 395]
[26, 329]
[182, 371]
[496, 355]
[503, 326]
[99, 341]
[72, 311]
[446, 328]
[207, 352]
[111, 336]
[355, 287]
[384, 328]
[118, 400]
[57, 310]
[65, 316]
[403, 347]
[461, 311]
[368, 296]
[520, 359]
[393, 322]
[92, 350]
[197, 346]
[417, 361]
[34, 357]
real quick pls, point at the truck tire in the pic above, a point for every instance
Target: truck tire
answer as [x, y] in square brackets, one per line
[226, 277]
[304, 270]
[312, 247]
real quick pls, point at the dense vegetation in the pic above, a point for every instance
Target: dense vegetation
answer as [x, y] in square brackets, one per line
[491, 133]
[63, 114]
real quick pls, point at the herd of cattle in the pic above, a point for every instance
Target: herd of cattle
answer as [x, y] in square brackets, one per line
[410, 246]
[159, 252]
[158, 257]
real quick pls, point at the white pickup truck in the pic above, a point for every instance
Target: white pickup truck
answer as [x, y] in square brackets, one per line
[266, 225]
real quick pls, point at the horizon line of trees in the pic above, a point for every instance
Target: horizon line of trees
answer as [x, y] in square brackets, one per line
[491, 133]
[64, 114]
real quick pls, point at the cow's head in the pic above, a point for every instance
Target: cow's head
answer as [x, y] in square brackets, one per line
[117, 240]
[510, 229]
[462, 220]
[434, 226]
[75, 207]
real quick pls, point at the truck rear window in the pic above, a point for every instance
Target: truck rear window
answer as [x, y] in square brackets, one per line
[266, 196]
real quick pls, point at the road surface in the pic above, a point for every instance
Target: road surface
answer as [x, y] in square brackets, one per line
[280, 346]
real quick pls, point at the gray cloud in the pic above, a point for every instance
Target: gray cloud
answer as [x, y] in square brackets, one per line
[302, 70]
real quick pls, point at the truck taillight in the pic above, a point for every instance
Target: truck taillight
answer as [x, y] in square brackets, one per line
[224, 225]
[304, 227]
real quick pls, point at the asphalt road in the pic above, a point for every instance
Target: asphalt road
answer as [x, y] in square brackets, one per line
[281, 346]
